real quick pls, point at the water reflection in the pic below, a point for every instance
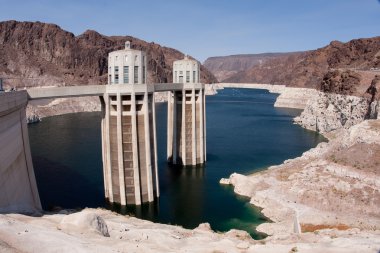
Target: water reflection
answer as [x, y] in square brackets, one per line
[147, 211]
[185, 182]
[186, 194]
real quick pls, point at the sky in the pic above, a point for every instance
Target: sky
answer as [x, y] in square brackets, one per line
[205, 28]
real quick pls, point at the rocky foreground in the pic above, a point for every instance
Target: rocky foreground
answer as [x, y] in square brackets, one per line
[96, 230]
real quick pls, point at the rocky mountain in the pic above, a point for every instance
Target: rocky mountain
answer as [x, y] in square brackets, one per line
[308, 69]
[38, 54]
[224, 67]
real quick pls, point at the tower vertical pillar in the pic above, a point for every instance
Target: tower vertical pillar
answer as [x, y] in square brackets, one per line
[129, 145]
[186, 116]
[186, 126]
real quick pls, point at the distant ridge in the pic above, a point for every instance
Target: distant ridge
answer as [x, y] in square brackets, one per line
[309, 69]
[224, 67]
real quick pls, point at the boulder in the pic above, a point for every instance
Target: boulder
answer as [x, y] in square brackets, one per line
[84, 222]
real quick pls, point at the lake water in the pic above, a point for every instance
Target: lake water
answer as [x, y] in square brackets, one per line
[245, 133]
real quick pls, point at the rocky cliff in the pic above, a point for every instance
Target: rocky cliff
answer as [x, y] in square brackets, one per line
[38, 54]
[328, 111]
[224, 67]
[308, 69]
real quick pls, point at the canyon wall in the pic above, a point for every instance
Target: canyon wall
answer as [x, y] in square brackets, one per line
[307, 69]
[18, 186]
[224, 67]
[326, 112]
[40, 54]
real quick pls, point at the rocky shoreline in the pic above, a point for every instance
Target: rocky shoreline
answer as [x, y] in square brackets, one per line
[335, 186]
[35, 112]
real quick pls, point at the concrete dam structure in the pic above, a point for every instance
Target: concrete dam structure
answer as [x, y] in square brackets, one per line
[18, 188]
[129, 143]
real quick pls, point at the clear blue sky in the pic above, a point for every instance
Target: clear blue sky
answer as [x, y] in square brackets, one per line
[204, 28]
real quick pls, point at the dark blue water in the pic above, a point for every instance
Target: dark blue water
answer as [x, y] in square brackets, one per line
[245, 133]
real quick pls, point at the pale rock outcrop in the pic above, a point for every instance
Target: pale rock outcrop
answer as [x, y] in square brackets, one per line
[85, 221]
[33, 118]
[296, 98]
[211, 89]
[242, 184]
[327, 112]
[225, 181]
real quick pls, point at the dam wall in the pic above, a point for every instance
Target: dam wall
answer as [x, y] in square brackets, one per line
[18, 188]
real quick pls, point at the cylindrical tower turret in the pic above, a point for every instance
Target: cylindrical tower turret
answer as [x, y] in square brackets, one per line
[127, 66]
[186, 71]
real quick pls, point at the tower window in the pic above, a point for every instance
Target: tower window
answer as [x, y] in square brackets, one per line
[143, 74]
[116, 74]
[175, 77]
[194, 77]
[136, 74]
[126, 74]
[188, 76]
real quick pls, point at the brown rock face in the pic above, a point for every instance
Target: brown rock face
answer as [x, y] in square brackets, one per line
[34, 53]
[224, 67]
[340, 82]
[309, 68]
[373, 90]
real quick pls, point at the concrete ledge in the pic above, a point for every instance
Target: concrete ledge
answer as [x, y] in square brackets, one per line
[12, 101]
[68, 91]
[99, 90]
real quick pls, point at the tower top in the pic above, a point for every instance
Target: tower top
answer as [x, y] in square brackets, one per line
[127, 44]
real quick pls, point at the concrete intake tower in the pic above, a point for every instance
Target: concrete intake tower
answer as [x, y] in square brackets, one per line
[129, 131]
[186, 116]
